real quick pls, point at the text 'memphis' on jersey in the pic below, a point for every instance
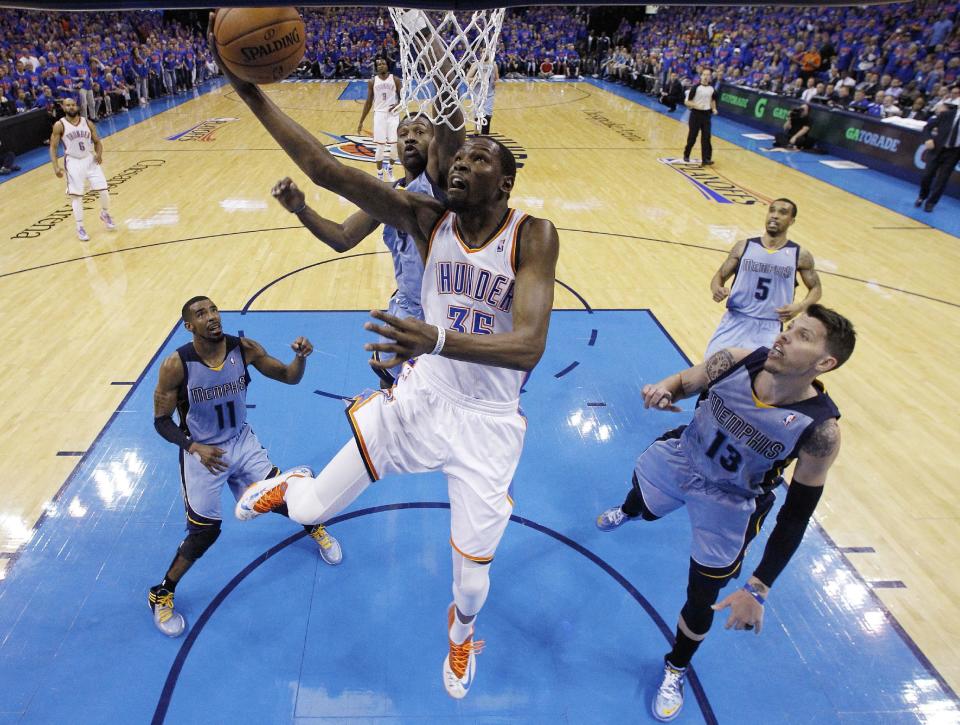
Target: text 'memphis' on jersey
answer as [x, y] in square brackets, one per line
[742, 445]
[215, 399]
[765, 280]
[471, 291]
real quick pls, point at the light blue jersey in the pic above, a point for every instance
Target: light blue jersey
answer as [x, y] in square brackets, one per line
[741, 445]
[216, 399]
[765, 280]
[407, 262]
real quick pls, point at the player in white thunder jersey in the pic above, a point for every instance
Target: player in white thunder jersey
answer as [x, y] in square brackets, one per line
[426, 157]
[383, 94]
[470, 426]
[83, 154]
[761, 297]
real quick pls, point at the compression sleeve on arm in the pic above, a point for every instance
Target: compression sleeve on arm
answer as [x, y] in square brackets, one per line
[169, 431]
[788, 533]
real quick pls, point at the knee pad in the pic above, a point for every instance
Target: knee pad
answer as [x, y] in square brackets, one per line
[379, 153]
[197, 542]
[470, 585]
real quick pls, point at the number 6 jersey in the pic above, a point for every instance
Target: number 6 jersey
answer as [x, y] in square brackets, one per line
[213, 401]
[742, 445]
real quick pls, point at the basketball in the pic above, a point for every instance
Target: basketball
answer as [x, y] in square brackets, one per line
[259, 45]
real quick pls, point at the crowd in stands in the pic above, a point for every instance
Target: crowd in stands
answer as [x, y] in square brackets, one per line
[108, 62]
[883, 60]
[343, 43]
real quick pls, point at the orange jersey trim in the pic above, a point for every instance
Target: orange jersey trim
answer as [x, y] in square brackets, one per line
[478, 559]
[470, 250]
[436, 228]
[513, 242]
[361, 443]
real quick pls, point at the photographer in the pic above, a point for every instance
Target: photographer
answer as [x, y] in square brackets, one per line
[796, 130]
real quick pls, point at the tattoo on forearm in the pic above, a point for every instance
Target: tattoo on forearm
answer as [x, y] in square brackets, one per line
[718, 364]
[823, 441]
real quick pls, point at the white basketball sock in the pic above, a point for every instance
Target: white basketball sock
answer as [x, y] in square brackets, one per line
[105, 200]
[316, 500]
[471, 584]
[77, 203]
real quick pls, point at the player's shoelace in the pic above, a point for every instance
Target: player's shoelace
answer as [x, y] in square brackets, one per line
[321, 536]
[460, 655]
[271, 498]
[165, 604]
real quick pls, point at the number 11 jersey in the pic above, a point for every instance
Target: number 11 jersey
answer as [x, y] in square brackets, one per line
[214, 400]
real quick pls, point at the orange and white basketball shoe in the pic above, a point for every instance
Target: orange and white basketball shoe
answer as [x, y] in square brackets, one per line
[460, 665]
[266, 495]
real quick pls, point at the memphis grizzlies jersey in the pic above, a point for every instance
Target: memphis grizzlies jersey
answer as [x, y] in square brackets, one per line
[471, 291]
[742, 445]
[407, 262]
[765, 279]
[216, 398]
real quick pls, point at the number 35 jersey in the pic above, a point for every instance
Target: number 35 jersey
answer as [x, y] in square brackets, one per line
[471, 291]
[213, 401]
[742, 445]
[765, 279]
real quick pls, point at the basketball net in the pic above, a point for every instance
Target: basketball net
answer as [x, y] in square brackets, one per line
[445, 60]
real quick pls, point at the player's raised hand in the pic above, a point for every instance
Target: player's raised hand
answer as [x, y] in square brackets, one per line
[411, 337]
[302, 347]
[289, 195]
[745, 611]
[657, 396]
[210, 456]
[720, 293]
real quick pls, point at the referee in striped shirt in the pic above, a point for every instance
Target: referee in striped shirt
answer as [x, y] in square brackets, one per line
[702, 102]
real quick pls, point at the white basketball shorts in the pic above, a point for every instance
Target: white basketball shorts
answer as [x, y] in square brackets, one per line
[385, 126]
[420, 425]
[84, 170]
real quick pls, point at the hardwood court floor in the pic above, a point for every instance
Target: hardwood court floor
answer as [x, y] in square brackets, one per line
[195, 217]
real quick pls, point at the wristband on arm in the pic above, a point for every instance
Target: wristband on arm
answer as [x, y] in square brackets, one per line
[171, 432]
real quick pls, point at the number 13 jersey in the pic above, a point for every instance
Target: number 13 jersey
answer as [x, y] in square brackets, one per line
[740, 444]
[471, 291]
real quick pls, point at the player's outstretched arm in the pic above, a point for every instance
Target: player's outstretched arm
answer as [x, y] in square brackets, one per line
[817, 454]
[811, 280]
[291, 373]
[339, 237]
[519, 349]
[729, 266]
[414, 214]
[690, 382]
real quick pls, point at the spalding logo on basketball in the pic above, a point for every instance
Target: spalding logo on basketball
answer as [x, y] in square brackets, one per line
[267, 46]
